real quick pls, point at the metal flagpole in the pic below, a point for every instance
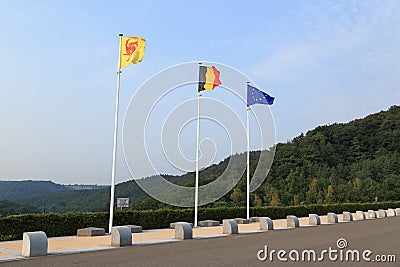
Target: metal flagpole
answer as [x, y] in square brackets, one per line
[114, 158]
[248, 163]
[196, 192]
[196, 189]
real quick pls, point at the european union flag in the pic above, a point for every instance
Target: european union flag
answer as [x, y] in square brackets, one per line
[256, 96]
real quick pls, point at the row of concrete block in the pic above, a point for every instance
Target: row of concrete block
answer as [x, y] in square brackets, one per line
[314, 219]
[183, 230]
[231, 226]
[36, 243]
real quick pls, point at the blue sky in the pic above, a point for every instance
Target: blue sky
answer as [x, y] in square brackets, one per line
[324, 61]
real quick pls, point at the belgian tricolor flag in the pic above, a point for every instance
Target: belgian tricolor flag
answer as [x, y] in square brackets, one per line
[208, 78]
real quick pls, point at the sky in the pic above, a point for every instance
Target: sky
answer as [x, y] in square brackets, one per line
[323, 61]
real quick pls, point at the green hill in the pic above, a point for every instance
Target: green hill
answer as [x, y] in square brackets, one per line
[349, 162]
[84, 200]
[11, 190]
[343, 162]
[11, 208]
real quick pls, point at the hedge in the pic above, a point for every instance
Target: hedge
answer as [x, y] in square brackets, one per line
[12, 227]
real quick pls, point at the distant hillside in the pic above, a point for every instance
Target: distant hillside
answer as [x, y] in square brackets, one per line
[11, 208]
[11, 190]
[85, 186]
[342, 162]
[84, 200]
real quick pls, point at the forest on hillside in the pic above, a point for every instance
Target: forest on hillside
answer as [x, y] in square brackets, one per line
[357, 161]
[343, 162]
[11, 190]
[10, 208]
[354, 162]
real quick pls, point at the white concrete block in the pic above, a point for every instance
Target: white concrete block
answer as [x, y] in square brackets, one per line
[332, 218]
[135, 228]
[121, 236]
[34, 244]
[313, 219]
[241, 221]
[209, 223]
[360, 215]
[266, 223]
[230, 227]
[255, 219]
[172, 225]
[397, 211]
[292, 221]
[391, 212]
[371, 214]
[382, 213]
[347, 216]
[183, 230]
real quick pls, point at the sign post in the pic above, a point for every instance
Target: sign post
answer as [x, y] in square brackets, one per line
[122, 203]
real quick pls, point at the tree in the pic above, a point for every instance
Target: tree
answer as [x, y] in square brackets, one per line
[313, 190]
[257, 201]
[271, 195]
[237, 195]
[357, 184]
[329, 199]
[296, 200]
[275, 201]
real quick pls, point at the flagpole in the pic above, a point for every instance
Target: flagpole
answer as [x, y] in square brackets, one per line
[114, 157]
[248, 163]
[196, 192]
[196, 189]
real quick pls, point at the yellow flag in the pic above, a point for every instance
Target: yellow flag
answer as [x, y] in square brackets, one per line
[131, 50]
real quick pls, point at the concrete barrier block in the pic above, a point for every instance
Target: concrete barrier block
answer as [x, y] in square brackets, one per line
[332, 218]
[255, 219]
[135, 228]
[397, 211]
[371, 214]
[266, 223]
[91, 231]
[230, 227]
[121, 236]
[292, 221]
[241, 221]
[360, 215]
[172, 225]
[313, 219]
[391, 212]
[209, 223]
[382, 213]
[183, 230]
[34, 244]
[347, 216]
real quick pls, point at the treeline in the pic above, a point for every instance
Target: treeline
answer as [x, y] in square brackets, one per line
[357, 161]
[11, 190]
[354, 162]
[340, 163]
[10, 208]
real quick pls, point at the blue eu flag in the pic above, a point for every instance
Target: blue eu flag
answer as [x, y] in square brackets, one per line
[256, 96]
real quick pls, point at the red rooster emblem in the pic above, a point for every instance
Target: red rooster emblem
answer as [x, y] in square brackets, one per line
[130, 48]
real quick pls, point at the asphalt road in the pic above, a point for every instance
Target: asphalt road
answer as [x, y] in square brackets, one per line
[380, 236]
